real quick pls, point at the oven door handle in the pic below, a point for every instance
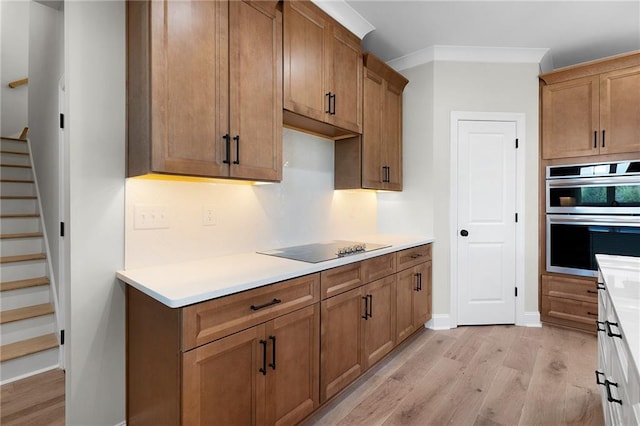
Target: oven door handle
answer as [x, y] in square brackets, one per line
[586, 219]
[594, 181]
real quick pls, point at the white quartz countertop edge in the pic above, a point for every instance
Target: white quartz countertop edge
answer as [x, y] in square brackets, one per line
[185, 283]
[621, 276]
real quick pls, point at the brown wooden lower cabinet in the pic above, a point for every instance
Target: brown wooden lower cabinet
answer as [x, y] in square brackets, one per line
[413, 299]
[569, 302]
[380, 325]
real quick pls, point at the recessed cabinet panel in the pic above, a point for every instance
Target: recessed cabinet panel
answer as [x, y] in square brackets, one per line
[373, 173]
[620, 111]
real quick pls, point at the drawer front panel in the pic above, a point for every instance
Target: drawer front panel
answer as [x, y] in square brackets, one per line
[379, 267]
[570, 288]
[411, 257]
[569, 312]
[338, 280]
[208, 321]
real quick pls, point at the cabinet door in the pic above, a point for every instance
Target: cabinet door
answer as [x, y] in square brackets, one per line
[189, 87]
[255, 70]
[293, 366]
[345, 79]
[305, 62]
[391, 145]
[570, 118]
[372, 132]
[341, 342]
[222, 383]
[406, 286]
[620, 111]
[380, 326]
[422, 297]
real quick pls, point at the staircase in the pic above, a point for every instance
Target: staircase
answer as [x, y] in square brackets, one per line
[28, 323]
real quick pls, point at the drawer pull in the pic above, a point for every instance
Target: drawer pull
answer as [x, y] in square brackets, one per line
[273, 302]
[600, 286]
[598, 374]
[273, 352]
[611, 333]
[593, 314]
[592, 291]
[608, 384]
[598, 324]
[416, 255]
[263, 370]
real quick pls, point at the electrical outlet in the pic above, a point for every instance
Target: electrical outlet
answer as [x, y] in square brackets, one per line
[148, 216]
[208, 216]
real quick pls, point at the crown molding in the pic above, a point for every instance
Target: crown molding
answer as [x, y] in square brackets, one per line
[469, 54]
[346, 15]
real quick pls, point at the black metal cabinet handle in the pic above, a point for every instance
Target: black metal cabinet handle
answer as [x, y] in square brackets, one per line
[603, 138]
[600, 286]
[273, 302]
[611, 333]
[419, 281]
[598, 324]
[328, 96]
[608, 384]
[263, 370]
[332, 111]
[227, 148]
[595, 138]
[273, 352]
[366, 308]
[370, 297]
[237, 139]
[598, 374]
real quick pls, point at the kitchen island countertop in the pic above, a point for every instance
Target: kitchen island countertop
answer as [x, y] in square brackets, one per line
[185, 283]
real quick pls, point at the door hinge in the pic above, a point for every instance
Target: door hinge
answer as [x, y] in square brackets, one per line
[61, 337]
[516, 217]
[516, 143]
[62, 229]
[61, 120]
[516, 291]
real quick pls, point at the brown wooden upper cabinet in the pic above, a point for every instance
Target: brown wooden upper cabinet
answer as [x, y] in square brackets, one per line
[374, 160]
[592, 109]
[322, 73]
[205, 88]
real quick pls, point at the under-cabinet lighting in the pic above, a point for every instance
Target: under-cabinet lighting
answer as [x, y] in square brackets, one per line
[180, 178]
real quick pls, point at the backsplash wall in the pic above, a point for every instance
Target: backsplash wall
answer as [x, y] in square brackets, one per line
[302, 208]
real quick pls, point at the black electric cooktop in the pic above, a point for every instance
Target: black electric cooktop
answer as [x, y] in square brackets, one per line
[320, 252]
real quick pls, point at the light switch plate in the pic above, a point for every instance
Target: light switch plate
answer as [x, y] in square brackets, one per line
[208, 216]
[147, 216]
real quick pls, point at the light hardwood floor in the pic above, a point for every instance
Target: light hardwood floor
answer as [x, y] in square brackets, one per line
[482, 375]
[37, 400]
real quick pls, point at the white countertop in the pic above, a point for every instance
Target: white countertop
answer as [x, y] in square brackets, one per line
[185, 283]
[621, 275]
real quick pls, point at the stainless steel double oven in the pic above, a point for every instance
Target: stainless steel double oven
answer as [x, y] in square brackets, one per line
[591, 208]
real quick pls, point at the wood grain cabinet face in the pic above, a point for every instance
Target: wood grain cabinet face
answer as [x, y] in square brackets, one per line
[205, 88]
[592, 115]
[413, 301]
[322, 68]
[569, 302]
[380, 326]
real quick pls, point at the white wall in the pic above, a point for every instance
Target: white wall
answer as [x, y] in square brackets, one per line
[14, 36]
[302, 208]
[462, 86]
[46, 62]
[95, 111]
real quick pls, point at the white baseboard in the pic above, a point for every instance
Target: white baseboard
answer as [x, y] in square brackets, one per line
[531, 319]
[439, 322]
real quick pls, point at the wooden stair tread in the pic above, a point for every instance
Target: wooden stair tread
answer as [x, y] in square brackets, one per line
[16, 181]
[8, 138]
[23, 258]
[26, 313]
[21, 235]
[13, 152]
[21, 166]
[27, 347]
[18, 216]
[18, 197]
[30, 282]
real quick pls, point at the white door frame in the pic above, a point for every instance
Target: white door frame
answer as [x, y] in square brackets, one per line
[62, 213]
[519, 119]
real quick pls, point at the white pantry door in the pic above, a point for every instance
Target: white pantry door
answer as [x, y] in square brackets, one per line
[486, 222]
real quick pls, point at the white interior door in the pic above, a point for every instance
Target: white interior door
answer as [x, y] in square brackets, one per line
[486, 222]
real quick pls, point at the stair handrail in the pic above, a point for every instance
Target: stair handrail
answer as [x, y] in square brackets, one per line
[21, 138]
[20, 82]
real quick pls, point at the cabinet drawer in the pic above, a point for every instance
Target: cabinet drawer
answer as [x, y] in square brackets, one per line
[411, 257]
[568, 312]
[208, 321]
[379, 267]
[570, 288]
[338, 280]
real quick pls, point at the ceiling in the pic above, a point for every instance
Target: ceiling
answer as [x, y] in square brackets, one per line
[573, 31]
